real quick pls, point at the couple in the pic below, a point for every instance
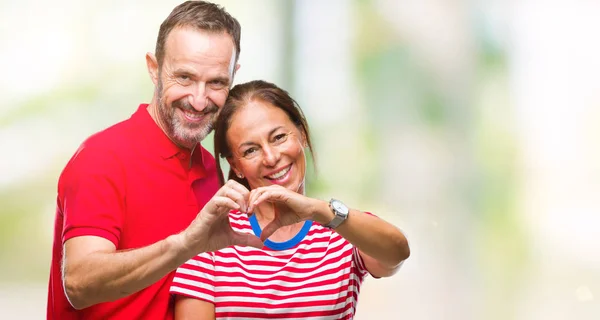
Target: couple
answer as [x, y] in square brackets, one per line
[147, 228]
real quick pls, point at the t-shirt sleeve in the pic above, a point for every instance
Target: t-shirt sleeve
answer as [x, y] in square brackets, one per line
[358, 260]
[91, 195]
[196, 278]
[359, 263]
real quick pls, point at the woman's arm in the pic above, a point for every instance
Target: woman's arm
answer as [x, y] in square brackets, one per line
[382, 246]
[187, 308]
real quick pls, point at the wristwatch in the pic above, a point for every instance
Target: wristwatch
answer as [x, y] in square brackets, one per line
[340, 211]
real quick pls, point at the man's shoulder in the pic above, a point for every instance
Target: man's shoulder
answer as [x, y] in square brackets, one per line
[113, 137]
[108, 146]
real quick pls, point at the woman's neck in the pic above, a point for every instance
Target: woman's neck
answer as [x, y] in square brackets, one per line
[265, 213]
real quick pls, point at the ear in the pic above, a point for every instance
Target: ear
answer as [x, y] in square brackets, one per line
[233, 166]
[152, 66]
[237, 67]
[303, 139]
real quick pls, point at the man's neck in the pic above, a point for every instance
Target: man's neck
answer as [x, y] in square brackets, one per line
[154, 114]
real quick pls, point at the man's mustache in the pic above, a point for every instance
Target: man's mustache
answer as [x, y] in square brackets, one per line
[186, 106]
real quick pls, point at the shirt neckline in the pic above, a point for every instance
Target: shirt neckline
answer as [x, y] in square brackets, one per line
[157, 141]
[280, 245]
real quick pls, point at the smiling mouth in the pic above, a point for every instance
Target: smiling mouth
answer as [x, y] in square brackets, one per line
[279, 174]
[193, 116]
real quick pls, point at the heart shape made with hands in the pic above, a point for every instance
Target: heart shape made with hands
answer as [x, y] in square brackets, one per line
[288, 207]
[211, 230]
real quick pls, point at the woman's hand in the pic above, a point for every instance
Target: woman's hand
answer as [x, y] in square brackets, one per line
[289, 207]
[382, 245]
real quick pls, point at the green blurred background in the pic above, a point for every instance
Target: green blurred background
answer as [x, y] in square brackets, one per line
[474, 126]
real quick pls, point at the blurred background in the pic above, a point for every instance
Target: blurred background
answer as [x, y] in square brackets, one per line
[474, 126]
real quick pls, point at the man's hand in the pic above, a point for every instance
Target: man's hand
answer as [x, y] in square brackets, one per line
[95, 272]
[211, 231]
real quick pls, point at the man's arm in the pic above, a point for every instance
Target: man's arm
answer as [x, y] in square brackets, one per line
[94, 271]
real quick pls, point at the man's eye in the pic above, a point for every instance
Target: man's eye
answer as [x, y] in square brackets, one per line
[218, 83]
[184, 78]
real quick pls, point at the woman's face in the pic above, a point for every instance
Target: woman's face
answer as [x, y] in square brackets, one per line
[267, 147]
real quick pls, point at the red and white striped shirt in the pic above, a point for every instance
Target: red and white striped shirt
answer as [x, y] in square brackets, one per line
[315, 275]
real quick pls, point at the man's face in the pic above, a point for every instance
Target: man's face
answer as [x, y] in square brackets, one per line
[193, 83]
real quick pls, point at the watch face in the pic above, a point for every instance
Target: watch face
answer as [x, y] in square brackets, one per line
[339, 207]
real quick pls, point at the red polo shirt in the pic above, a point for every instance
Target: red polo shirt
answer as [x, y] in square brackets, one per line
[131, 185]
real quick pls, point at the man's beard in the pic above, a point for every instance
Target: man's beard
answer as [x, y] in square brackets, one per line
[182, 132]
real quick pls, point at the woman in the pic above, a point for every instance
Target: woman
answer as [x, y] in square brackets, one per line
[316, 253]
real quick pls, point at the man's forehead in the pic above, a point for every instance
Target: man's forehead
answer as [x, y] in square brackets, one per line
[189, 40]
[192, 45]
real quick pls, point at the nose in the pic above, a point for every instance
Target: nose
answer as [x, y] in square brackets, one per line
[199, 98]
[270, 156]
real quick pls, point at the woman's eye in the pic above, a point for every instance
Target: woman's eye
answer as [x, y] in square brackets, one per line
[281, 137]
[249, 151]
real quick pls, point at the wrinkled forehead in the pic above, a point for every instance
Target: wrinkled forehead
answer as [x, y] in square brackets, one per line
[190, 44]
[259, 118]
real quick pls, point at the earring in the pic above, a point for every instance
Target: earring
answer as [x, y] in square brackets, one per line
[241, 176]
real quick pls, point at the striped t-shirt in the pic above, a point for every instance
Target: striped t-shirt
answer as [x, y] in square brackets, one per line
[315, 275]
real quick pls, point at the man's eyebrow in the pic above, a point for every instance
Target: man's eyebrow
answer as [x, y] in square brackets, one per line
[184, 71]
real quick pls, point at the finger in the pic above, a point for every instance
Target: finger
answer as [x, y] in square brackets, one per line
[252, 197]
[246, 239]
[255, 196]
[238, 186]
[219, 204]
[234, 195]
[269, 230]
[270, 195]
[244, 192]
[233, 185]
[256, 193]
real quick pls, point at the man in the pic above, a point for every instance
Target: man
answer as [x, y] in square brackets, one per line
[136, 200]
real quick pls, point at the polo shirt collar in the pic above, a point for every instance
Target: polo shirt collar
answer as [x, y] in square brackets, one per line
[159, 141]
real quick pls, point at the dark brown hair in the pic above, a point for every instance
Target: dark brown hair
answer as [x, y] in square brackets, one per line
[240, 96]
[201, 15]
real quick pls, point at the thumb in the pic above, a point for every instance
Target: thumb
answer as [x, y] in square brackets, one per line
[269, 230]
[246, 239]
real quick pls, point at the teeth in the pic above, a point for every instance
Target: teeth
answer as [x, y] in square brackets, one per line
[193, 116]
[279, 174]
